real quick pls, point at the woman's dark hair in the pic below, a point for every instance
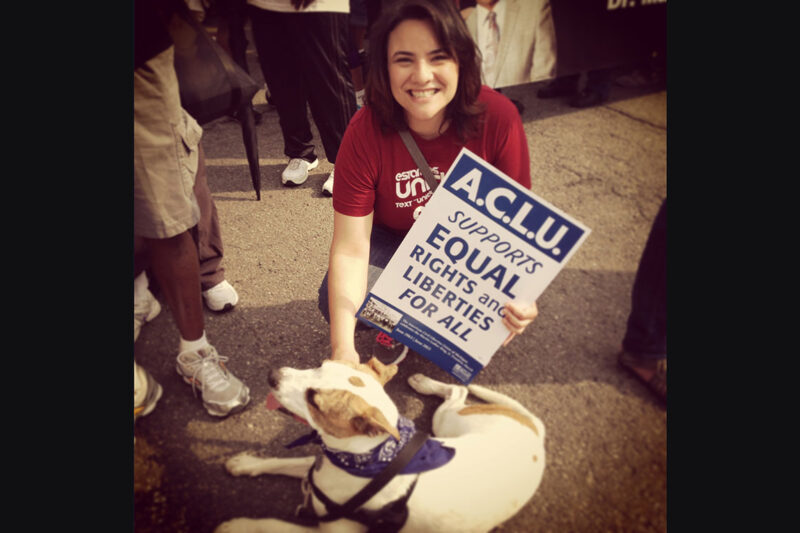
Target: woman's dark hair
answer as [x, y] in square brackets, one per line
[464, 111]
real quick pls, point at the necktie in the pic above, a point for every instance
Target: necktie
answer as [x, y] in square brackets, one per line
[492, 41]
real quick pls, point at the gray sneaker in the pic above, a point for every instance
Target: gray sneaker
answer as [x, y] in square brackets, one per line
[297, 171]
[222, 392]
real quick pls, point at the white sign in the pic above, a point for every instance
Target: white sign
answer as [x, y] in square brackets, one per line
[482, 240]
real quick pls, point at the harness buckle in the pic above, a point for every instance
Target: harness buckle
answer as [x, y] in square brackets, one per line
[305, 510]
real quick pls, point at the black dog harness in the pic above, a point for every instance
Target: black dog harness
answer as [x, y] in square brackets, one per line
[388, 519]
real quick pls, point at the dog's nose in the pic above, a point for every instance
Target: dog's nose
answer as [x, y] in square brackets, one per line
[274, 377]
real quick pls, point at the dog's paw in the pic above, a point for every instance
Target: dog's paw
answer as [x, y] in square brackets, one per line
[422, 384]
[237, 525]
[264, 525]
[244, 464]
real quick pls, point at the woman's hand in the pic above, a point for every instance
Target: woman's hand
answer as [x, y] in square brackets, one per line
[517, 317]
[346, 354]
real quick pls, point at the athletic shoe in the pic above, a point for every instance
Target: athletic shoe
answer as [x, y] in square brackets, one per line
[297, 171]
[221, 391]
[388, 351]
[145, 309]
[221, 297]
[327, 187]
[146, 392]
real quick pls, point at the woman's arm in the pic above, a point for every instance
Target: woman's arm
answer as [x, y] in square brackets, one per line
[347, 280]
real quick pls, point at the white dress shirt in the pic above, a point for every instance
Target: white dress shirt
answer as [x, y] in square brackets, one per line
[285, 6]
[483, 31]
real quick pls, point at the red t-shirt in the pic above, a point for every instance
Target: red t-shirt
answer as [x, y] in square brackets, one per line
[375, 171]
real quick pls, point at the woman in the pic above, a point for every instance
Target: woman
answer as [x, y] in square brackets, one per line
[423, 75]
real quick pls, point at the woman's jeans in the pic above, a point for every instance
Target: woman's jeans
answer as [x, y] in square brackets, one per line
[382, 245]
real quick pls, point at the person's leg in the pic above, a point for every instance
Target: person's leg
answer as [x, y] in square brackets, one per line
[166, 157]
[207, 233]
[140, 256]
[176, 268]
[275, 40]
[218, 294]
[599, 81]
[560, 86]
[355, 52]
[145, 306]
[231, 35]
[644, 347]
[646, 333]
[236, 16]
[165, 150]
[331, 97]
[597, 88]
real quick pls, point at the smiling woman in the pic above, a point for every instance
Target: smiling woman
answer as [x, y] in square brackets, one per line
[423, 76]
[424, 36]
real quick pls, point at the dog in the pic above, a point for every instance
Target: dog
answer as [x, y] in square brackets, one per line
[492, 455]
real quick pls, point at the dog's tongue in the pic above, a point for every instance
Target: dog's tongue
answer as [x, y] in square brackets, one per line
[273, 405]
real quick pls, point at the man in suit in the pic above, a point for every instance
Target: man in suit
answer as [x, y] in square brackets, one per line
[516, 38]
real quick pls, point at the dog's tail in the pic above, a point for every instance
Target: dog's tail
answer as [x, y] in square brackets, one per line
[492, 396]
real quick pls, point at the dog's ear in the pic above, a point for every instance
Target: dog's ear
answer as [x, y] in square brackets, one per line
[373, 423]
[383, 372]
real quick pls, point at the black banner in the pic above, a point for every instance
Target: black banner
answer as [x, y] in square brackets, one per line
[595, 34]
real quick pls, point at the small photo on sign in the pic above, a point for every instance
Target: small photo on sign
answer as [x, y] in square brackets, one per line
[380, 314]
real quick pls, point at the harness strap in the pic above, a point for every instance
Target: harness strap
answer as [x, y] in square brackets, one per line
[419, 159]
[336, 511]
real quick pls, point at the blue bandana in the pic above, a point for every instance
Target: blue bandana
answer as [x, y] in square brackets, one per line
[369, 464]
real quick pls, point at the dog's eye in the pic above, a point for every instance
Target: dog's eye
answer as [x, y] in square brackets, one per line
[310, 394]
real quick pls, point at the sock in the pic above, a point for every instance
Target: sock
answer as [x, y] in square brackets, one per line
[186, 346]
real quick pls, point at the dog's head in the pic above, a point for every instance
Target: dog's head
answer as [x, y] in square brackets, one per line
[342, 401]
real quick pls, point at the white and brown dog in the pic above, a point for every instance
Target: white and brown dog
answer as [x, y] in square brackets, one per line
[483, 465]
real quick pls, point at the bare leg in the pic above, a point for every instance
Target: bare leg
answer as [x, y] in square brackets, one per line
[175, 267]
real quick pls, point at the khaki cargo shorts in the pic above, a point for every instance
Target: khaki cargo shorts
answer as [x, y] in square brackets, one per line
[166, 143]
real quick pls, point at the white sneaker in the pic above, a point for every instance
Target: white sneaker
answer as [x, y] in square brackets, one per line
[145, 309]
[297, 171]
[146, 392]
[221, 297]
[327, 187]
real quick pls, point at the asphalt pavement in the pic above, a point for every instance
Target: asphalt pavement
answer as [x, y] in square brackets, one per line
[606, 433]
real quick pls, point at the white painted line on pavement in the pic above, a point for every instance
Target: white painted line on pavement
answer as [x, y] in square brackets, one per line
[235, 162]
